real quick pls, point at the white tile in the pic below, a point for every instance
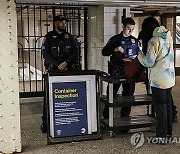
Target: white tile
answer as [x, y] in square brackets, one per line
[106, 16]
[107, 31]
[113, 31]
[106, 9]
[112, 16]
[112, 9]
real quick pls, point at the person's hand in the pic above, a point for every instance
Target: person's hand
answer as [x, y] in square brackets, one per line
[119, 49]
[127, 60]
[63, 66]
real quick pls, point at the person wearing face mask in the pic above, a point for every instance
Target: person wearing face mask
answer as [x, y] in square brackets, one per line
[121, 48]
[60, 53]
[59, 48]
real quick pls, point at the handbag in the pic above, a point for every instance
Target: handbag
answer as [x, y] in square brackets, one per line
[134, 69]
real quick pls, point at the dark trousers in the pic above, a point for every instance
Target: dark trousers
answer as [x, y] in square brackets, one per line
[174, 109]
[162, 101]
[128, 90]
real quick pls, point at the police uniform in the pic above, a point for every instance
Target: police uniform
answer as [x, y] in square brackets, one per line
[116, 65]
[129, 44]
[58, 48]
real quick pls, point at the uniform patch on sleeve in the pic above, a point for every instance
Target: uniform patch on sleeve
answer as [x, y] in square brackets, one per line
[43, 47]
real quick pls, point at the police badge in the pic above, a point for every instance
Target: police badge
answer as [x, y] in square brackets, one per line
[123, 42]
[133, 40]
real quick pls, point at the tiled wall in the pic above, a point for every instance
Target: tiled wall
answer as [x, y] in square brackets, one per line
[104, 23]
[95, 36]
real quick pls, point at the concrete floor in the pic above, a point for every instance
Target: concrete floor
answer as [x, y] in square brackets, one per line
[34, 142]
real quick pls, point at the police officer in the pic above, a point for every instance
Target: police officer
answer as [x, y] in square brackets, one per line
[59, 48]
[121, 48]
[60, 53]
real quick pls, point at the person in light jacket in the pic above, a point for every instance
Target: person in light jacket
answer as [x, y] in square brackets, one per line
[159, 60]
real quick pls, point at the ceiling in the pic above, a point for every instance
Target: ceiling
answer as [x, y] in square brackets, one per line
[145, 6]
[148, 9]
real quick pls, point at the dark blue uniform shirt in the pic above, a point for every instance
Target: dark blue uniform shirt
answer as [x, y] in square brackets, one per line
[58, 48]
[129, 44]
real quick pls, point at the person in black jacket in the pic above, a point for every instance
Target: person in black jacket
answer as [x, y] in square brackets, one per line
[60, 53]
[59, 49]
[121, 48]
